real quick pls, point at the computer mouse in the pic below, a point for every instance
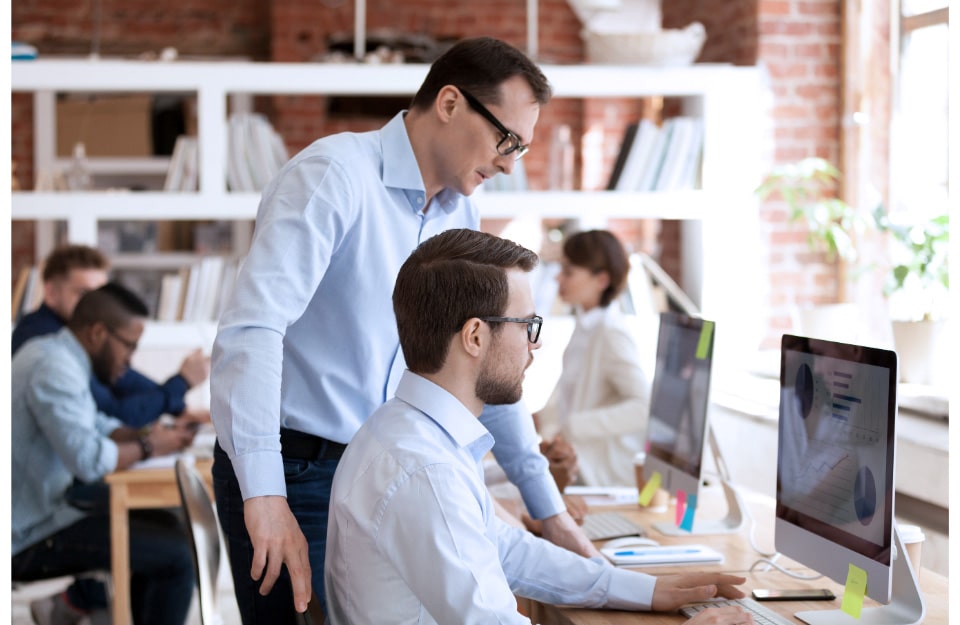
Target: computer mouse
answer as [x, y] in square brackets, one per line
[627, 542]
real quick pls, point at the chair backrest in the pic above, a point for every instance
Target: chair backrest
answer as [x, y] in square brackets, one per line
[204, 538]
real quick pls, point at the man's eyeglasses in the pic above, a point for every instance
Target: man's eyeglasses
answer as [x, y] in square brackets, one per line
[130, 345]
[510, 143]
[533, 325]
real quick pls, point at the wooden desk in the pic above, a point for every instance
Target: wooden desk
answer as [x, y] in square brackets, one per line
[132, 490]
[935, 589]
[739, 558]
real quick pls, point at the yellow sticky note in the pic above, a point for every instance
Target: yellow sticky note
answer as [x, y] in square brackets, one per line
[703, 346]
[650, 488]
[854, 590]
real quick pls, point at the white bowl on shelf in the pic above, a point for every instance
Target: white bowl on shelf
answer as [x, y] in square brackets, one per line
[670, 47]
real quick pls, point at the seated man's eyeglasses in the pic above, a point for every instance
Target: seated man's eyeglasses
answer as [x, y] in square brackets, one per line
[130, 345]
[510, 143]
[533, 325]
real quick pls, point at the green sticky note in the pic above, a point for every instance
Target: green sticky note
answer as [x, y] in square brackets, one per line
[650, 488]
[854, 590]
[703, 347]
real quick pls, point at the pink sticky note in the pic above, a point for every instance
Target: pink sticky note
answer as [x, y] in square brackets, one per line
[681, 505]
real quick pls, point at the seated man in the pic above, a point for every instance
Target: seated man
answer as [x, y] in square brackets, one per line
[412, 535]
[69, 272]
[59, 435]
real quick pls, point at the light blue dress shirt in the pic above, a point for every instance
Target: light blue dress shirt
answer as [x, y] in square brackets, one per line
[309, 341]
[56, 434]
[413, 536]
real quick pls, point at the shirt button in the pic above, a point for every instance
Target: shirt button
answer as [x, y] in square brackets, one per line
[419, 199]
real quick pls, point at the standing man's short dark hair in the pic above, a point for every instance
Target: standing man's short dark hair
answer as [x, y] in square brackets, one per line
[480, 65]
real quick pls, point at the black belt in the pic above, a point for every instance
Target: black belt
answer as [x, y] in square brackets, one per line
[301, 446]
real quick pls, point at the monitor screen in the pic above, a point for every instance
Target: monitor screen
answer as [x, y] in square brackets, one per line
[678, 403]
[835, 467]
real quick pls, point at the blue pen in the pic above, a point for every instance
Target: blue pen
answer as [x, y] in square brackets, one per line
[655, 552]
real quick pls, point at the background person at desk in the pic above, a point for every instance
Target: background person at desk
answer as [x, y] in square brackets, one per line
[307, 347]
[602, 399]
[69, 272]
[58, 435]
[413, 537]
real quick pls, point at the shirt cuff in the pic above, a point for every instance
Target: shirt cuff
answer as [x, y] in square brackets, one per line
[260, 474]
[630, 590]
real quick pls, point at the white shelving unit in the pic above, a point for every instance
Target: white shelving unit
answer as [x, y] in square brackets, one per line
[721, 232]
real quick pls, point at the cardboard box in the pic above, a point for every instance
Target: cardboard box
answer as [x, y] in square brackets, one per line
[107, 125]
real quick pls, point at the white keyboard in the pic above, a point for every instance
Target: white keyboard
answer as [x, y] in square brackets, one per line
[761, 615]
[605, 525]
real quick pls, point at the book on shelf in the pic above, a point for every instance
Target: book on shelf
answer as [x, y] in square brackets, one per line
[256, 152]
[641, 156]
[183, 171]
[197, 291]
[625, 146]
[651, 170]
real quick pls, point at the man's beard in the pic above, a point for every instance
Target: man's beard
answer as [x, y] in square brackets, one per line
[492, 387]
[102, 369]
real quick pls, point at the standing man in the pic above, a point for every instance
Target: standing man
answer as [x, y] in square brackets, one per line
[308, 346]
[69, 271]
[413, 536]
[58, 436]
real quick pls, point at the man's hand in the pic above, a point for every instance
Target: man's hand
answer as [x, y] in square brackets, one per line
[563, 461]
[277, 540]
[196, 416]
[563, 531]
[673, 591]
[168, 439]
[195, 367]
[576, 506]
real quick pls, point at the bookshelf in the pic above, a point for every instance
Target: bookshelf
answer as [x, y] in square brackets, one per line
[721, 231]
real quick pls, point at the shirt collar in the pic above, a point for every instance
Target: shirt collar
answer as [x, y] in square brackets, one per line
[447, 412]
[592, 318]
[401, 170]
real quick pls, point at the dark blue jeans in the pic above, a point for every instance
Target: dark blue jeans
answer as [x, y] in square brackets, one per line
[308, 494]
[161, 564]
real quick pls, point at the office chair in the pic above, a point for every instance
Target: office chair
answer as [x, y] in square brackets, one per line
[204, 538]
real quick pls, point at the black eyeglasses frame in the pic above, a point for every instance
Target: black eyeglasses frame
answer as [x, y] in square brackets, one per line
[534, 324]
[511, 138]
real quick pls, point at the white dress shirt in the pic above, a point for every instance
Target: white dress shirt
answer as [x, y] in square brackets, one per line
[601, 403]
[308, 340]
[413, 537]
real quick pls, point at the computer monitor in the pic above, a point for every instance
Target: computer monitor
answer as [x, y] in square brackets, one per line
[678, 424]
[835, 473]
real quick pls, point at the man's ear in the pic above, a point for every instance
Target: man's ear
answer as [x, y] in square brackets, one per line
[446, 102]
[474, 336]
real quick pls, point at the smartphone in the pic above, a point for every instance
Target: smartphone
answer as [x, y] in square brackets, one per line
[796, 594]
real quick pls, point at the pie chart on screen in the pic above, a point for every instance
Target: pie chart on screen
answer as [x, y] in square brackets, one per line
[865, 495]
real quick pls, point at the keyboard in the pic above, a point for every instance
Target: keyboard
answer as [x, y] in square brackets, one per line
[605, 525]
[761, 615]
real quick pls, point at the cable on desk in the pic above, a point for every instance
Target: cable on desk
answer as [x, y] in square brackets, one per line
[772, 563]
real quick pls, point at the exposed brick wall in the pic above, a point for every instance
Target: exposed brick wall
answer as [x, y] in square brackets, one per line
[797, 40]
[133, 27]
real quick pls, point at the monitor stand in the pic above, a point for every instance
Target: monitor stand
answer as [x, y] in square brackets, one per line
[730, 524]
[906, 605]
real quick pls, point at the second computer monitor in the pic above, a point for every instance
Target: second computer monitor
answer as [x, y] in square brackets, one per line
[835, 473]
[678, 406]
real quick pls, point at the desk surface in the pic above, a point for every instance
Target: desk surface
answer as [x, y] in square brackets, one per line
[740, 556]
[935, 589]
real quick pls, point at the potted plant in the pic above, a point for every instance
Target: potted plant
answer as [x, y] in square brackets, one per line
[809, 188]
[917, 286]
